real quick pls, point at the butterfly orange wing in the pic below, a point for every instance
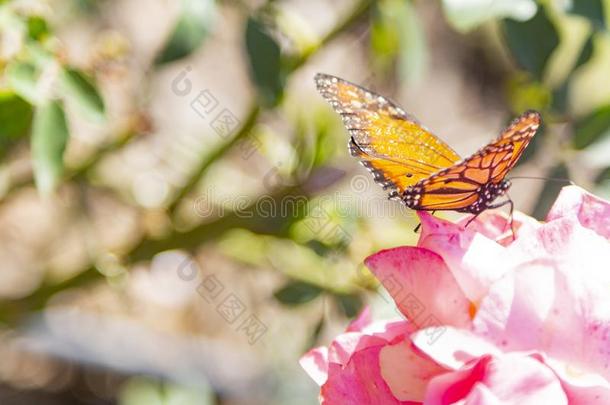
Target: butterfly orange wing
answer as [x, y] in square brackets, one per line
[391, 144]
[461, 185]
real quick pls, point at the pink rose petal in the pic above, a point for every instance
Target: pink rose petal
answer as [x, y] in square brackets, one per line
[493, 224]
[580, 387]
[359, 382]
[453, 348]
[491, 320]
[512, 379]
[592, 212]
[566, 313]
[481, 395]
[453, 386]
[407, 370]
[376, 334]
[467, 254]
[315, 363]
[421, 285]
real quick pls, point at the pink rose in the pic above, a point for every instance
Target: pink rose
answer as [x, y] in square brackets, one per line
[489, 320]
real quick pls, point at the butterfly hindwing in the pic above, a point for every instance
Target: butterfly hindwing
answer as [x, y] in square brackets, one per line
[463, 184]
[391, 144]
[518, 134]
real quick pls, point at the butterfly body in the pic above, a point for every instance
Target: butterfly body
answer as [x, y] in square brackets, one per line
[416, 167]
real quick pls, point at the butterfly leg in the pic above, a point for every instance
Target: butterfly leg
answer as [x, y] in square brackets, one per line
[510, 213]
[472, 219]
[498, 205]
[419, 225]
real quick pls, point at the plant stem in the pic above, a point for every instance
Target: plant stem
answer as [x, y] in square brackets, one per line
[11, 312]
[205, 163]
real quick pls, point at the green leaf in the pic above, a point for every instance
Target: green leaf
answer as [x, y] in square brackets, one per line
[319, 248]
[592, 128]
[49, 138]
[532, 42]
[79, 89]
[193, 26]
[550, 191]
[22, 77]
[265, 60]
[350, 304]
[464, 15]
[593, 10]
[15, 116]
[297, 293]
[37, 28]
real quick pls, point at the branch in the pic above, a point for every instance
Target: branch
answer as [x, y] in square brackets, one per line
[220, 151]
[12, 311]
[83, 168]
[356, 14]
[147, 248]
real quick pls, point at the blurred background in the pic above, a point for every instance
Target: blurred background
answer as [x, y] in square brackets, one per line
[180, 219]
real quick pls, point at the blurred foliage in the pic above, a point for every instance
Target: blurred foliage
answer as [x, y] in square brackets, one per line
[593, 10]
[49, 138]
[544, 53]
[193, 25]
[16, 114]
[38, 74]
[592, 128]
[532, 42]
[144, 391]
[397, 40]
[467, 15]
[602, 183]
[82, 92]
[265, 62]
[296, 293]
[551, 189]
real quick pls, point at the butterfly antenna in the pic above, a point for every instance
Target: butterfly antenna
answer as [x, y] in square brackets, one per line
[510, 217]
[556, 179]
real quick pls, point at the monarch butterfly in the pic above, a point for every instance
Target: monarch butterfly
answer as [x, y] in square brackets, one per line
[418, 168]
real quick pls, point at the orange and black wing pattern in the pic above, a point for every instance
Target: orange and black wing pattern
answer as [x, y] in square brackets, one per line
[518, 134]
[392, 145]
[420, 169]
[471, 184]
